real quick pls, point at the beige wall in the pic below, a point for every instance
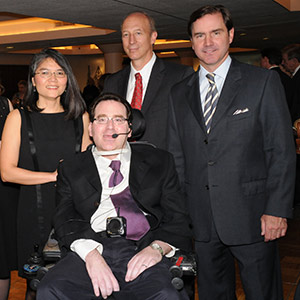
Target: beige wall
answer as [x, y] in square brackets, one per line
[80, 65]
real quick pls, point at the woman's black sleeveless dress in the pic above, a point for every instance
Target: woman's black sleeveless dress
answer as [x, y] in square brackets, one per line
[8, 213]
[55, 138]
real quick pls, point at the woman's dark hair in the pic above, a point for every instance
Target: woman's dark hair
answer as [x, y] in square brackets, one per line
[71, 99]
[114, 97]
[210, 10]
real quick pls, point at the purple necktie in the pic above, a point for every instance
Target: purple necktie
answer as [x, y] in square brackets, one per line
[116, 177]
[137, 223]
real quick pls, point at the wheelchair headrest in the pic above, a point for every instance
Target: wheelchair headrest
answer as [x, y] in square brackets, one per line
[138, 124]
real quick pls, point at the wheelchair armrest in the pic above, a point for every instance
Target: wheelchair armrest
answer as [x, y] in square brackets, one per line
[184, 264]
[51, 251]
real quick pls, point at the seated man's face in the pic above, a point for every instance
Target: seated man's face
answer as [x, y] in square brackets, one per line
[102, 133]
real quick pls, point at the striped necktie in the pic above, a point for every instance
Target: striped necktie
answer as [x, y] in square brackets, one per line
[211, 101]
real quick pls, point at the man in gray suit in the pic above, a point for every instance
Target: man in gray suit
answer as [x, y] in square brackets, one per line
[231, 136]
[158, 76]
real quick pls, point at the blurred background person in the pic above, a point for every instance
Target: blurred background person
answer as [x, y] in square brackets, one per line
[17, 98]
[271, 59]
[291, 63]
[54, 114]
[8, 215]
[101, 81]
[90, 92]
[2, 89]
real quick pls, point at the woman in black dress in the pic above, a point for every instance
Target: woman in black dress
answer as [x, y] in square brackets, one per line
[52, 125]
[8, 215]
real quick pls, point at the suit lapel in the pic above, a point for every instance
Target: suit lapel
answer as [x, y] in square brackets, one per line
[155, 81]
[194, 99]
[123, 82]
[229, 91]
[90, 171]
[138, 168]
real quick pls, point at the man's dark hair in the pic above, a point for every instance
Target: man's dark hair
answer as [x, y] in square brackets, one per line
[108, 97]
[71, 99]
[292, 51]
[210, 10]
[273, 54]
[22, 82]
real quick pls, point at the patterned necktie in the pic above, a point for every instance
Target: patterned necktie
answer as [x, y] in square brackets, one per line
[211, 101]
[136, 223]
[137, 97]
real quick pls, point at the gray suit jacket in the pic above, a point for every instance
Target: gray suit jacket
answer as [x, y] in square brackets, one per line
[155, 105]
[245, 167]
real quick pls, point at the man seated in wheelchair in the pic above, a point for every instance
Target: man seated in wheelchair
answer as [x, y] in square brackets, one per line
[120, 213]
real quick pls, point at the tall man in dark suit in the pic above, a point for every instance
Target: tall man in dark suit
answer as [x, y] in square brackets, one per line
[291, 62]
[231, 137]
[158, 76]
[115, 179]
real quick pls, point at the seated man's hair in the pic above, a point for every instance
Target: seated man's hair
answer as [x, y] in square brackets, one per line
[114, 97]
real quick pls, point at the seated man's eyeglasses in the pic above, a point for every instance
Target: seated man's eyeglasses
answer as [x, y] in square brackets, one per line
[116, 120]
[48, 74]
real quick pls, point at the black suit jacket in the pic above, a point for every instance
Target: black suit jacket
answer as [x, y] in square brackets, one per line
[245, 167]
[155, 104]
[287, 85]
[153, 184]
[296, 96]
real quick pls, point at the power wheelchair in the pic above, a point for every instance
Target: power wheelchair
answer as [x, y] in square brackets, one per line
[183, 269]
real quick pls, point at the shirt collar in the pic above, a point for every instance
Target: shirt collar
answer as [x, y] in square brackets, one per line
[221, 71]
[296, 70]
[124, 155]
[145, 71]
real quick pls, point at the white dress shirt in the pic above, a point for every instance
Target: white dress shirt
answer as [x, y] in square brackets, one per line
[296, 70]
[106, 208]
[145, 73]
[220, 76]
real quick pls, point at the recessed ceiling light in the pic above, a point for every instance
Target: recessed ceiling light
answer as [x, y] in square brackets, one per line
[167, 52]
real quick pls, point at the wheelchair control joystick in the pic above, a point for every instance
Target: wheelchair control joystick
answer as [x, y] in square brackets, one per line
[34, 262]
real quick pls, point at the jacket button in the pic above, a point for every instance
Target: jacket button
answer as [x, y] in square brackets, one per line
[207, 187]
[96, 204]
[211, 163]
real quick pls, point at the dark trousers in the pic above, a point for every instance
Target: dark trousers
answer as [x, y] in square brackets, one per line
[69, 278]
[259, 266]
